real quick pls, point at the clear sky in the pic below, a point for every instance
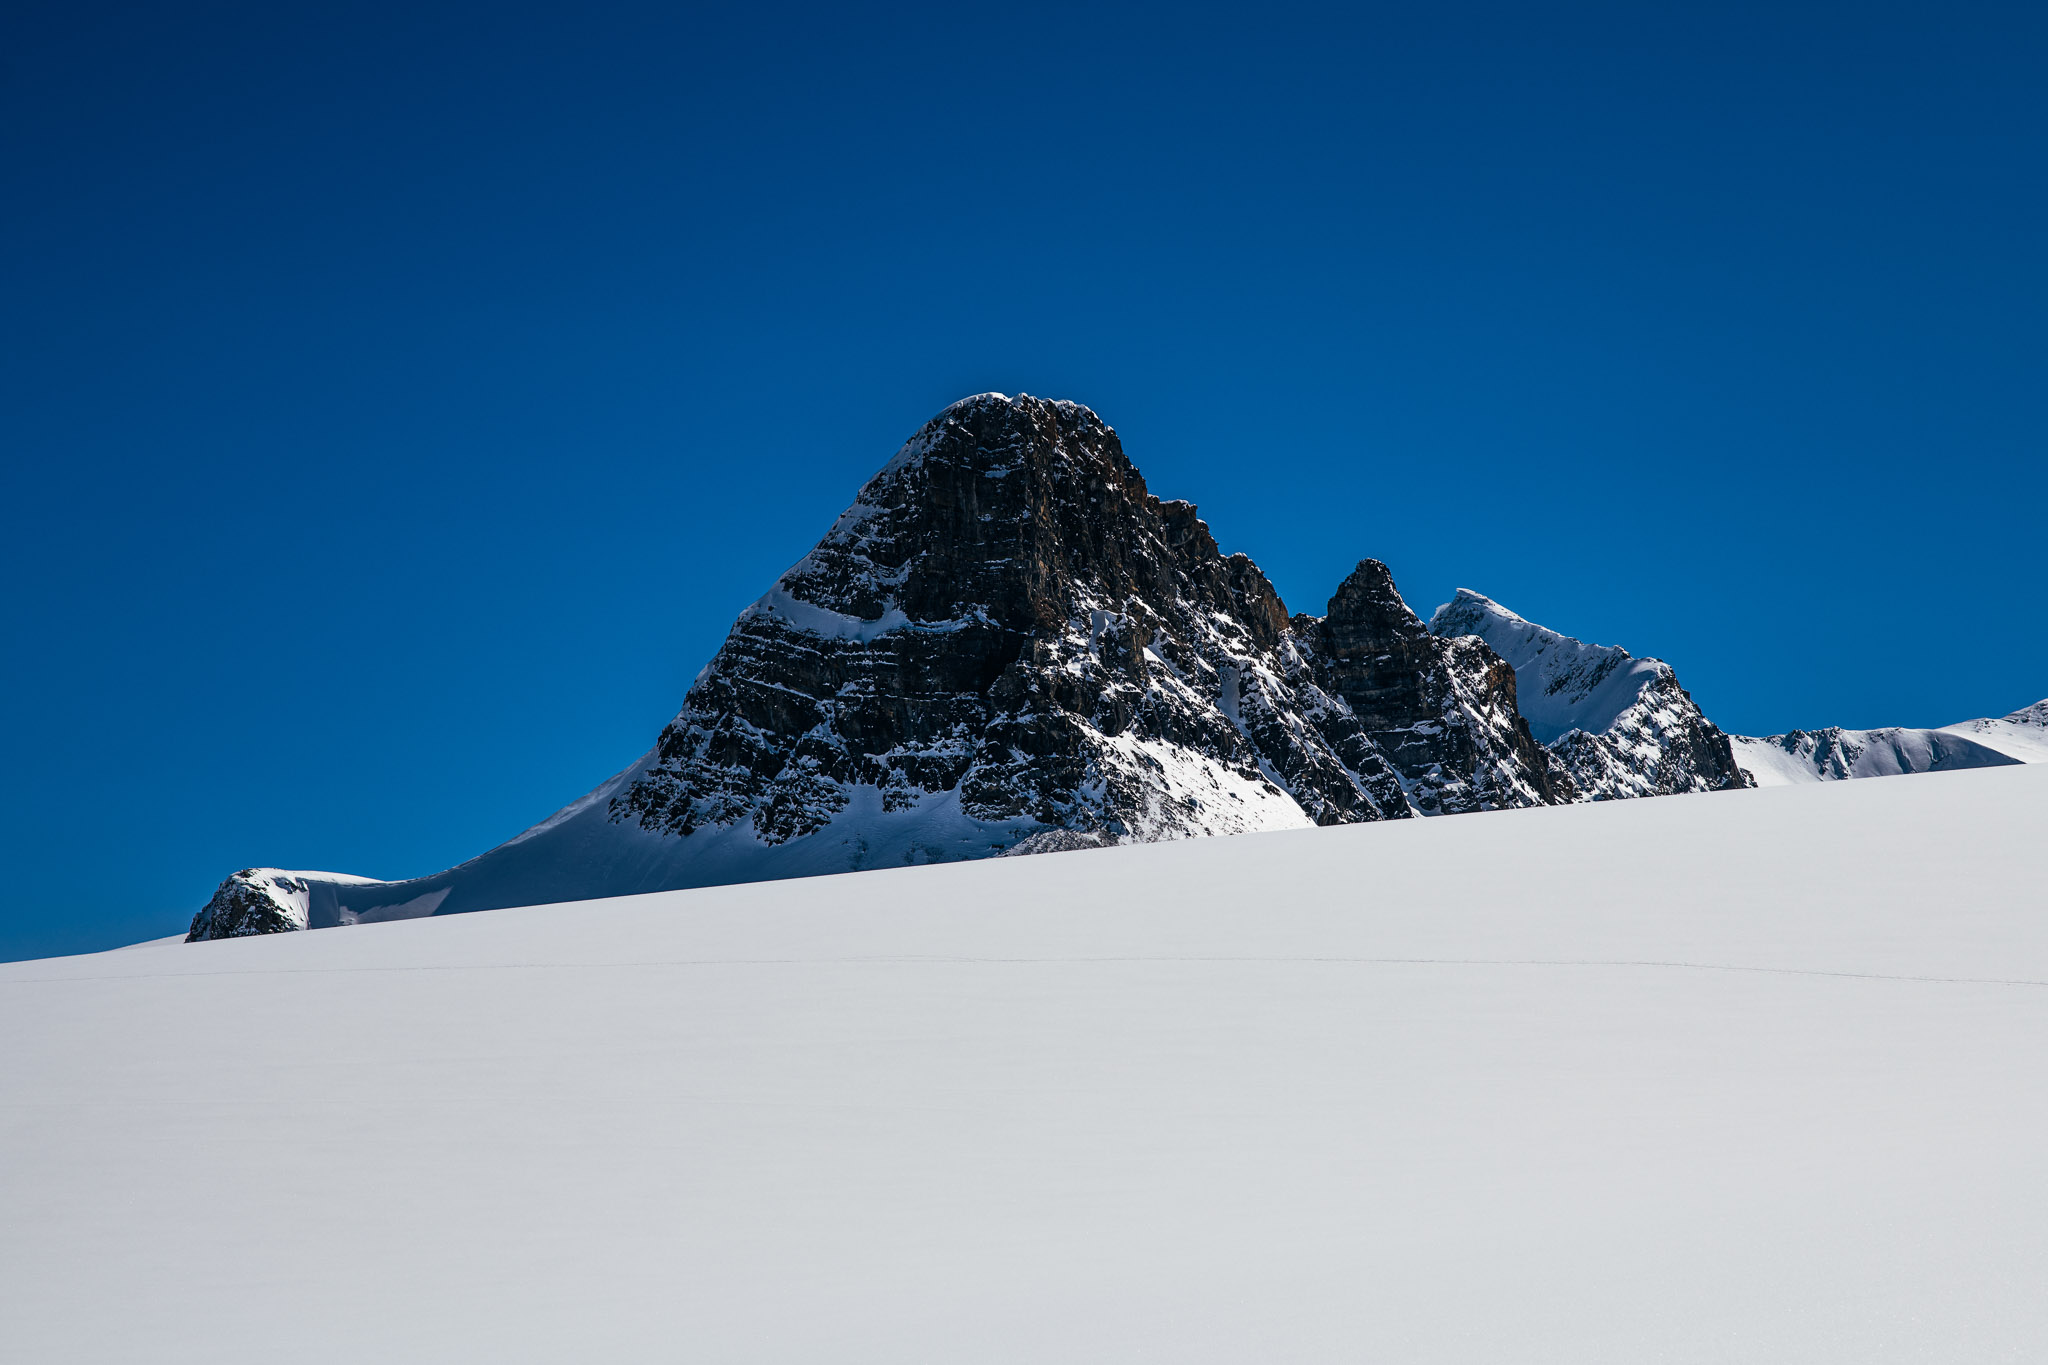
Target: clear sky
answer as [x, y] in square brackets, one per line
[397, 403]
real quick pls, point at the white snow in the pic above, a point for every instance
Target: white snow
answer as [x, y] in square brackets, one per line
[1750, 1076]
[823, 621]
[2022, 735]
[1770, 763]
[1834, 755]
[1187, 794]
[293, 892]
[598, 799]
[1831, 755]
[1561, 684]
[833, 625]
[344, 878]
[416, 907]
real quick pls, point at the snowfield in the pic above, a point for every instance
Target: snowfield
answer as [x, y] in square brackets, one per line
[1747, 1076]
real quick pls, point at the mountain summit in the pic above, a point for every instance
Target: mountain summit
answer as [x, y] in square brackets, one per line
[1007, 643]
[1006, 623]
[1621, 726]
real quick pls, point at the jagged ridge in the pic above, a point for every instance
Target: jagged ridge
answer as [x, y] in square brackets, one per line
[1621, 726]
[1007, 612]
[1006, 636]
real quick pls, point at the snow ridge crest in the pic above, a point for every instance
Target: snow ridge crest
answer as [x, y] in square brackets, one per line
[1620, 725]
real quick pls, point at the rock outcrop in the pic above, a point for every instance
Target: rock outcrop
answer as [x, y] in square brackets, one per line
[256, 900]
[1443, 710]
[1619, 725]
[270, 900]
[1009, 616]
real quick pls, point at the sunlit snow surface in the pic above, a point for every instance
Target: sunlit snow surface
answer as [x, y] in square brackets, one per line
[2022, 735]
[1562, 684]
[1749, 1076]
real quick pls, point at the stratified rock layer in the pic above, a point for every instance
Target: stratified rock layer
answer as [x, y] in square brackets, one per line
[1010, 615]
[1442, 710]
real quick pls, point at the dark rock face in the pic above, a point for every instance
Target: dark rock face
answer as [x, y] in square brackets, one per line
[1009, 615]
[253, 901]
[1442, 710]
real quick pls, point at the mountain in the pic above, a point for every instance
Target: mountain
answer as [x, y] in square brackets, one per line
[1009, 645]
[1007, 636]
[1619, 725]
[2022, 735]
[1834, 754]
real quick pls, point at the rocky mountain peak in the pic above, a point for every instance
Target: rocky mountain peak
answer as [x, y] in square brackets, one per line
[1443, 711]
[1023, 508]
[1367, 612]
[1009, 643]
[1620, 725]
[1007, 616]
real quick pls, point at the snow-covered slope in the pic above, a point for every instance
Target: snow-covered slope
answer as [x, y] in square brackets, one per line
[1622, 726]
[2022, 735]
[1746, 1076]
[1834, 754]
[1561, 684]
[1619, 725]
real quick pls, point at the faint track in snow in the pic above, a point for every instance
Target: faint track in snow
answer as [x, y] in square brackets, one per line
[1163, 960]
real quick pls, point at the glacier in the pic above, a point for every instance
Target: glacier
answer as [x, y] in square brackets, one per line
[1736, 1076]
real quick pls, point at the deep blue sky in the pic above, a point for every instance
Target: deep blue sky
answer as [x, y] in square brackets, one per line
[397, 404]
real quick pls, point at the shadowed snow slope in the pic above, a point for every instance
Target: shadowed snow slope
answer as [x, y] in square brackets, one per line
[1744, 1076]
[1835, 754]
